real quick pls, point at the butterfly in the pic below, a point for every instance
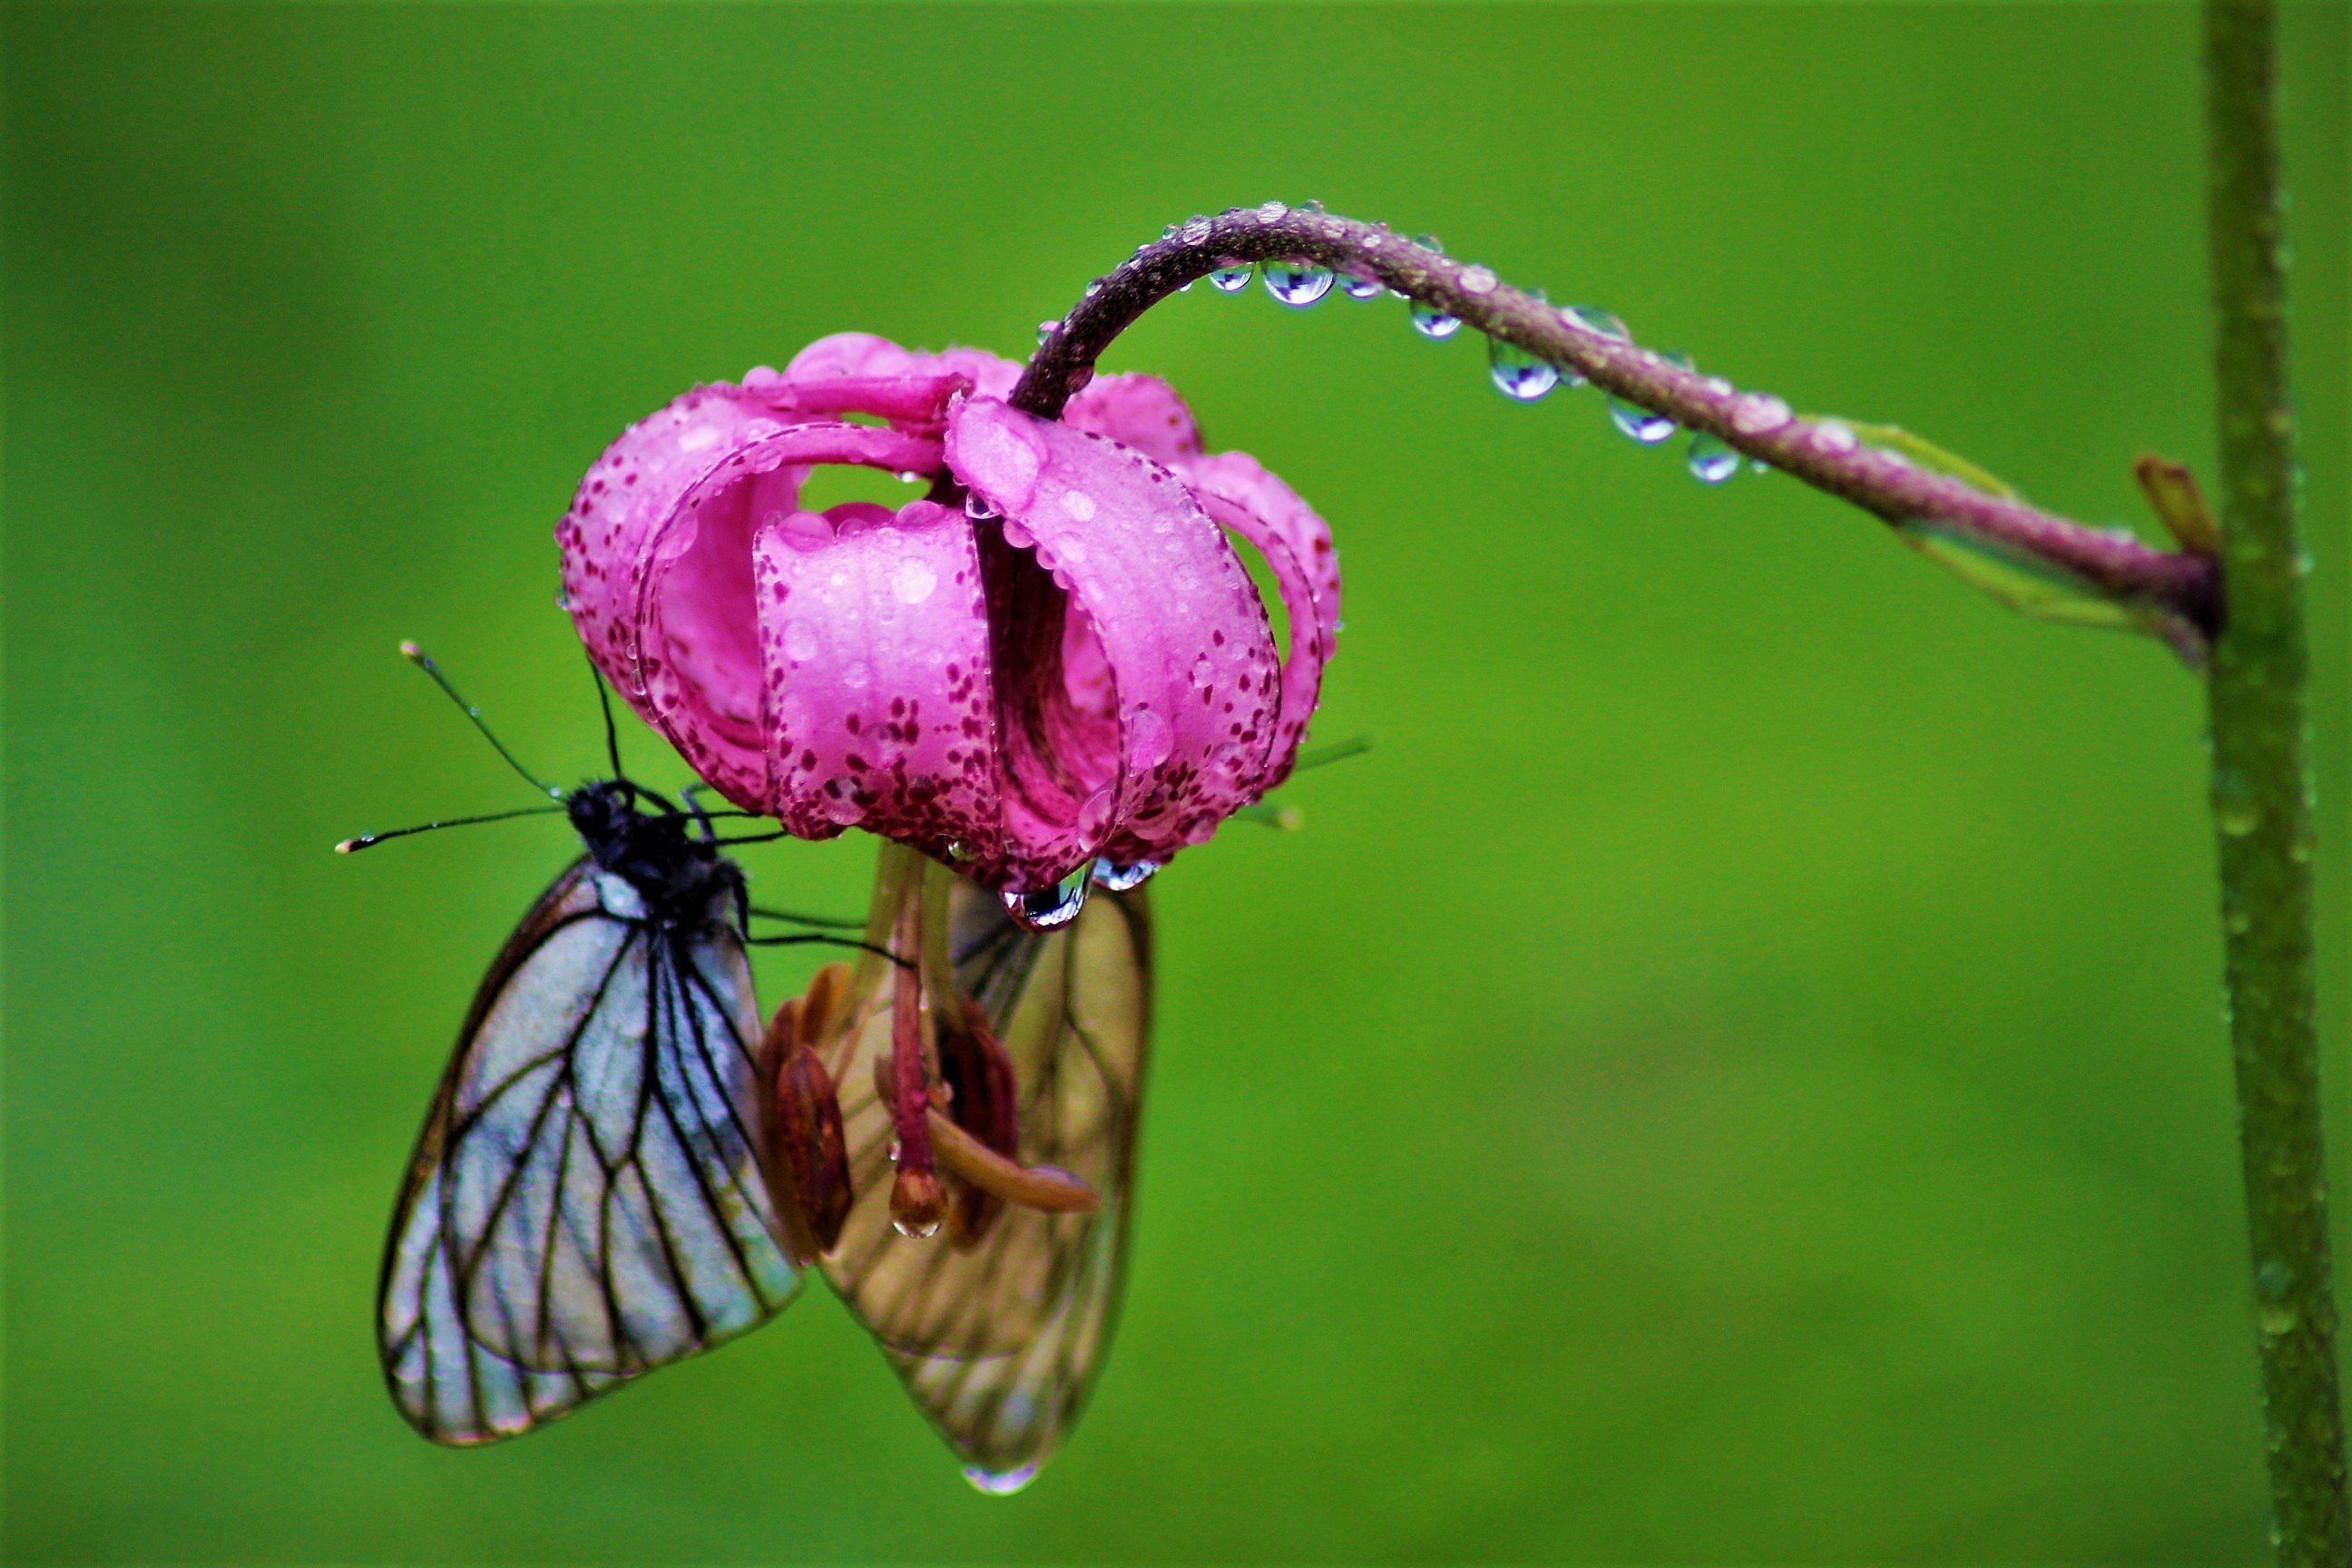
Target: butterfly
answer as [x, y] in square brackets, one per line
[603, 1184]
[998, 1327]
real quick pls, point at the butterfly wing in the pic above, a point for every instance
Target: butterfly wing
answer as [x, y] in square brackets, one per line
[999, 1343]
[583, 1203]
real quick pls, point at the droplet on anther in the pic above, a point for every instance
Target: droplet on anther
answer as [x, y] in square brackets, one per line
[917, 1204]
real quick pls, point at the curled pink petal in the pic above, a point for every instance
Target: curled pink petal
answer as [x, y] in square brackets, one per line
[913, 402]
[1185, 637]
[1296, 545]
[697, 665]
[874, 643]
[1139, 411]
[624, 499]
[863, 355]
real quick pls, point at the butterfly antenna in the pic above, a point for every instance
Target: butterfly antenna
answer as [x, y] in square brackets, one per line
[612, 735]
[424, 661]
[369, 840]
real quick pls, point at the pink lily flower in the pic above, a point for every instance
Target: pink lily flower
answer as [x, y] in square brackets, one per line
[1071, 666]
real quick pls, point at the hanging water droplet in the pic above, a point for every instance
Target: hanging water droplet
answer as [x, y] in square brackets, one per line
[1432, 322]
[976, 509]
[922, 1230]
[1593, 319]
[1711, 460]
[1047, 329]
[1357, 287]
[1639, 423]
[1124, 878]
[1000, 1483]
[1519, 374]
[1232, 276]
[1050, 908]
[1296, 282]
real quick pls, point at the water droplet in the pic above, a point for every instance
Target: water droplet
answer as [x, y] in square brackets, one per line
[1519, 374]
[1124, 878]
[1478, 280]
[1231, 276]
[1431, 322]
[1428, 242]
[1204, 674]
[800, 641]
[976, 509]
[1047, 329]
[1313, 208]
[1000, 1483]
[2279, 1319]
[1357, 287]
[1195, 229]
[1297, 283]
[1711, 461]
[1050, 908]
[1593, 319]
[2272, 1278]
[1643, 426]
[1758, 413]
[1835, 437]
[1272, 212]
[1149, 739]
[921, 1231]
[912, 581]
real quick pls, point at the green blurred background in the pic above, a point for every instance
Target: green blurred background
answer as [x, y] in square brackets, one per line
[1736, 1074]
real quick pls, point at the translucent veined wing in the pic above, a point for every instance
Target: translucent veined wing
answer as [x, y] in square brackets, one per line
[999, 1342]
[583, 1205]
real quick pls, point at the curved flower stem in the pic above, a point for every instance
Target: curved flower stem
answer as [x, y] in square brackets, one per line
[2261, 798]
[2178, 592]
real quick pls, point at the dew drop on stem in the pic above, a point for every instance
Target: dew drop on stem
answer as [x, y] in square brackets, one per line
[1296, 282]
[1712, 461]
[1231, 276]
[1519, 374]
[1432, 322]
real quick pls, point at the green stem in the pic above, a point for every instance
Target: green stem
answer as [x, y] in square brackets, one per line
[2261, 798]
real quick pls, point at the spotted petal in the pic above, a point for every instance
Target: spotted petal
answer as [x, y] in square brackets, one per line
[1188, 647]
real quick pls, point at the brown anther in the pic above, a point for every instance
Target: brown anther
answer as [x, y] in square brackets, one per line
[970, 1160]
[827, 988]
[982, 1102]
[806, 1160]
[917, 1203]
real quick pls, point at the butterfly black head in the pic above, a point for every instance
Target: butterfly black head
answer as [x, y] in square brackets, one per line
[655, 852]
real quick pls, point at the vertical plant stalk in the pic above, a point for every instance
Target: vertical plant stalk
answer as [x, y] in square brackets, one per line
[2261, 798]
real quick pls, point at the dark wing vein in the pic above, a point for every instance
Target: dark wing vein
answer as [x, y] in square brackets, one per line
[582, 1205]
[1000, 1345]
